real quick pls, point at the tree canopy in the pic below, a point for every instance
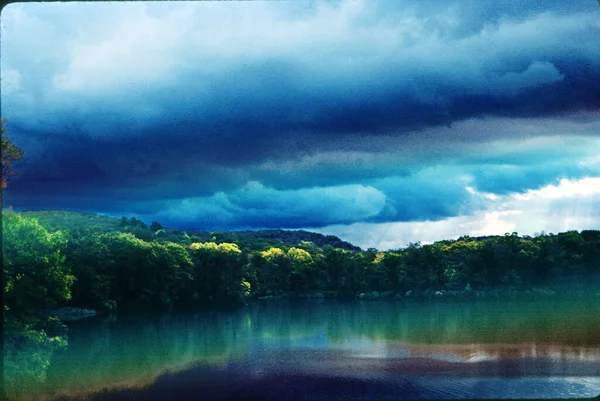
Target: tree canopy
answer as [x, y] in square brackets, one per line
[10, 153]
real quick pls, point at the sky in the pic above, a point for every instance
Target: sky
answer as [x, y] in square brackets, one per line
[382, 122]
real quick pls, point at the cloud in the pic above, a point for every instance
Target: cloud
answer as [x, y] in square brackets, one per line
[432, 193]
[255, 205]
[11, 81]
[566, 205]
[566, 190]
[346, 65]
[536, 74]
[422, 179]
[395, 106]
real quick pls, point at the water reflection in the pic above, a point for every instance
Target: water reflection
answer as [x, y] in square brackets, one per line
[362, 340]
[489, 352]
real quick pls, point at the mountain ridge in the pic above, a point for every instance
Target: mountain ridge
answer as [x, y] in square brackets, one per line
[75, 220]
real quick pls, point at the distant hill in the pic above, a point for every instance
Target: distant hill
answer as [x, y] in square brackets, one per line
[76, 221]
[291, 237]
[67, 220]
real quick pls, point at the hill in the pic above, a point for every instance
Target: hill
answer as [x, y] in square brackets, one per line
[79, 221]
[72, 221]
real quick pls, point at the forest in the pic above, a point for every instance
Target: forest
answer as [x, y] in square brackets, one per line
[127, 265]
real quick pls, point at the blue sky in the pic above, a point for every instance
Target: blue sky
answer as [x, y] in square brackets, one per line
[382, 122]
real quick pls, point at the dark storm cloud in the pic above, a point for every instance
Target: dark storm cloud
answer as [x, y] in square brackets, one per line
[193, 100]
[255, 205]
[400, 70]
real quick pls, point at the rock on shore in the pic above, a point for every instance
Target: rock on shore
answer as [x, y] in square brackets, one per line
[71, 314]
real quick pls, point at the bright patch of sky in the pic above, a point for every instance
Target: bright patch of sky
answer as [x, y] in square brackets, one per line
[567, 205]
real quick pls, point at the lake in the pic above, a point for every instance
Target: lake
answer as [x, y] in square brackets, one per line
[329, 349]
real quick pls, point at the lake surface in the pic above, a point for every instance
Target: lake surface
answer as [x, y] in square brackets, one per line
[326, 349]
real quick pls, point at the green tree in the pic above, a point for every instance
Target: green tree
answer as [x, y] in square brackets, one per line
[339, 269]
[391, 272]
[10, 153]
[35, 274]
[275, 271]
[86, 254]
[218, 270]
[171, 281]
[302, 277]
[366, 269]
[155, 226]
[128, 264]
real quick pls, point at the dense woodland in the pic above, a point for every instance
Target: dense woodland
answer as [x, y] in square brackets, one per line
[130, 265]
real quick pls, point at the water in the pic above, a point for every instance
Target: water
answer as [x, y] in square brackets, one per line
[325, 349]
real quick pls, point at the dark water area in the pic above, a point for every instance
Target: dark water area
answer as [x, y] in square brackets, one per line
[325, 349]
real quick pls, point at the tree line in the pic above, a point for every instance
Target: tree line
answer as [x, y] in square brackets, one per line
[143, 267]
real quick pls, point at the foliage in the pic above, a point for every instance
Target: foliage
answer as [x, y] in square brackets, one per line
[86, 255]
[73, 222]
[10, 153]
[217, 271]
[35, 273]
[129, 265]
